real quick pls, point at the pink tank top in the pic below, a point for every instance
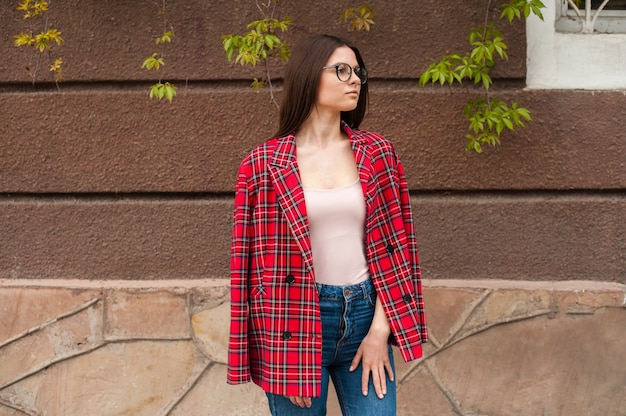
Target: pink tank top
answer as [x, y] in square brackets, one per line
[337, 231]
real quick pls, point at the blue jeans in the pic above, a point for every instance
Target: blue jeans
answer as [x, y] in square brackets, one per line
[347, 313]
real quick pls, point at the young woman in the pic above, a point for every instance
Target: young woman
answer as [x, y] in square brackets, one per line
[324, 265]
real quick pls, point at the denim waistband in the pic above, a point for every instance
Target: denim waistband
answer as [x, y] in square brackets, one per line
[360, 290]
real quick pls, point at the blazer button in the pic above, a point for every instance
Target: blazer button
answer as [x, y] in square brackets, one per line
[290, 279]
[407, 298]
[390, 248]
[286, 335]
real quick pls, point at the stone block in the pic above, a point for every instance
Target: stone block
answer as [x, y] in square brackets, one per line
[522, 237]
[508, 305]
[421, 395]
[203, 298]
[448, 308]
[501, 306]
[212, 396]
[147, 314]
[211, 329]
[587, 301]
[568, 365]
[124, 239]
[25, 309]
[7, 411]
[54, 342]
[136, 378]
[404, 369]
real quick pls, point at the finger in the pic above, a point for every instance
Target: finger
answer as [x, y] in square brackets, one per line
[382, 381]
[307, 401]
[365, 378]
[389, 370]
[356, 360]
[299, 401]
[378, 385]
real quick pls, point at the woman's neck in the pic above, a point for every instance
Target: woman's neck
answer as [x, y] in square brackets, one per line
[320, 131]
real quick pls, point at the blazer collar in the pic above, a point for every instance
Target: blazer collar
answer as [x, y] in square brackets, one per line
[285, 151]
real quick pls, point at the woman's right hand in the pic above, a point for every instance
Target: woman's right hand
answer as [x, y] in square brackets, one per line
[300, 401]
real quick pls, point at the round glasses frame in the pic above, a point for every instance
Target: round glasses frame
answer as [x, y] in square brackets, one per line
[344, 72]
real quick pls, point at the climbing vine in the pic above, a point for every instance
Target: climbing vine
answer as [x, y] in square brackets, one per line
[155, 61]
[261, 42]
[488, 117]
[35, 11]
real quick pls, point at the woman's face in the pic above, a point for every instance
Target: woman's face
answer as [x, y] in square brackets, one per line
[334, 94]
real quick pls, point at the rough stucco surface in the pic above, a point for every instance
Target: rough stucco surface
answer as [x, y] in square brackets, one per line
[115, 217]
[105, 42]
[527, 237]
[83, 143]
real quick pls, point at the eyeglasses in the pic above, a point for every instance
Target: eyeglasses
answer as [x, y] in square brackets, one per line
[344, 72]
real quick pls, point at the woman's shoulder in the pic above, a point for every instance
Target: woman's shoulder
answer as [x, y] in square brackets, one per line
[374, 140]
[260, 152]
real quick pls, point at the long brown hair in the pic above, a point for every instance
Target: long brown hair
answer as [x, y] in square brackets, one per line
[302, 78]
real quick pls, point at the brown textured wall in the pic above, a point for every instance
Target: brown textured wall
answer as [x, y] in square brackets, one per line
[98, 182]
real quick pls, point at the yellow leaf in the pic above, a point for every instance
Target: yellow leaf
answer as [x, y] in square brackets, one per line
[56, 66]
[42, 42]
[23, 39]
[55, 35]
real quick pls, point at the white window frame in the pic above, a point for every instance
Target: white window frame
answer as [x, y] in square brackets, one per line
[586, 20]
[562, 60]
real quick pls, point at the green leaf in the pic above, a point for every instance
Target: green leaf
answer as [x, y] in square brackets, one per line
[524, 113]
[536, 6]
[169, 91]
[486, 80]
[166, 38]
[153, 62]
[156, 90]
[425, 77]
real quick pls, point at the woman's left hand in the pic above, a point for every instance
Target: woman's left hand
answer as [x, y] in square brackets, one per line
[373, 354]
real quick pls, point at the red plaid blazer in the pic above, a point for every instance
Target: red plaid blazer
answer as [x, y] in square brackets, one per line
[275, 332]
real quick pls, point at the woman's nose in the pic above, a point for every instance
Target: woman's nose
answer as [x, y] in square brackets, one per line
[354, 78]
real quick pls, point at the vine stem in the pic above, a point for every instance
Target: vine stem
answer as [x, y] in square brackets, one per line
[264, 13]
[484, 37]
[269, 83]
[38, 61]
[56, 80]
[163, 43]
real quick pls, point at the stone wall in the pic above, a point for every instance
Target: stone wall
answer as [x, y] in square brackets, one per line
[115, 216]
[123, 348]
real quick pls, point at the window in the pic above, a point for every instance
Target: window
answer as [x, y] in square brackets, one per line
[560, 55]
[591, 16]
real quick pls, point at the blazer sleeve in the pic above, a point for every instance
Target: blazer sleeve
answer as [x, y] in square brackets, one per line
[409, 226]
[238, 359]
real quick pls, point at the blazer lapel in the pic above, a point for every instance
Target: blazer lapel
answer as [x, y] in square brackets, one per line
[363, 159]
[285, 176]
